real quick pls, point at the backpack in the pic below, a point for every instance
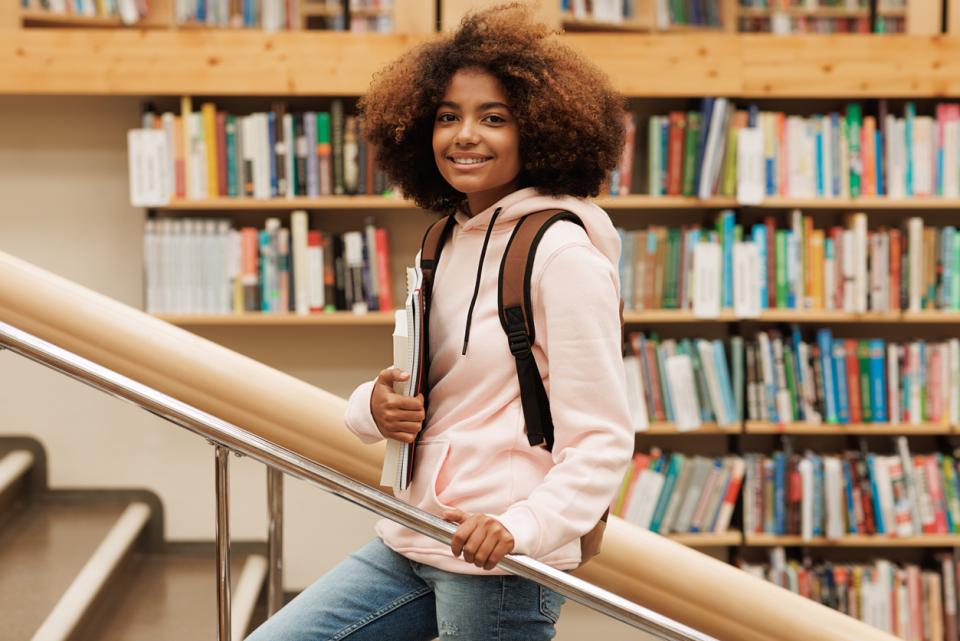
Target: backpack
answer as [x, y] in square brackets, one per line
[516, 317]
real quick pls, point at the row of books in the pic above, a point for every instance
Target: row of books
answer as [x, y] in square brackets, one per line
[686, 382]
[273, 154]
[847, 267]
[129, 11]
[839, 381]
[834, 155]
[199, 266]
[856, 492]
[277, 15]
[907, 600]
[673, 492]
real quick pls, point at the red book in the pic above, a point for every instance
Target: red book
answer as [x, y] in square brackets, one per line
[655, 381]
[869, 146]
[894, 235]
[221, 121]
[836, 234]
[179, 163]
[853, 380]
[315, 239]
[371, 171]
[626, 160]
[771, 225]
[935, 487]
[383, 270]
[676, 131]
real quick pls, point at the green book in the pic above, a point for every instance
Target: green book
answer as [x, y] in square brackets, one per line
[690, 153]
[854, 122]
[653, 157]
[789, 365]
[230, 130]
[670, 298]
[780, 250]
[863, 358]
[728, 180]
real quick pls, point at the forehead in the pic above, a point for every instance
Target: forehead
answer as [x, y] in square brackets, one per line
[474, 86]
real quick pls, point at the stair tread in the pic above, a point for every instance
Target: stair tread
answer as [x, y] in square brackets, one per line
[42, 549]
[163, 597]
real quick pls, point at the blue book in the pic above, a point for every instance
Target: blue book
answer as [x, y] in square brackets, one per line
[702, 525]
[878, 145]
[759, 235]
[249, 17]
[877, 511]
[669, 484]
[835, 153]
[779, 493]
[946, 259]
[878, 381]
[825, 343]
[818, 495]
[272, 153]
[819, 151]
[752, 113]
[664, 153]
[622, 233]
[723, 377]
[266, 280]
[911, 112]
[725, 227]
[840, 381]
[848, 494]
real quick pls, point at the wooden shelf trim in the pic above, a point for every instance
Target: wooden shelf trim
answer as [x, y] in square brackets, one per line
[856, 540]
[254, 319]
[158, 62]
[763, 427]
[46, 17]
[708, 539]
[667, 429]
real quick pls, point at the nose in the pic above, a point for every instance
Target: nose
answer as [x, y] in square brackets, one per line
[467, 133]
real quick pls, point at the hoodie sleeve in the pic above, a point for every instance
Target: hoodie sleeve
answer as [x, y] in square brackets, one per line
[359, 418]
[579, 295]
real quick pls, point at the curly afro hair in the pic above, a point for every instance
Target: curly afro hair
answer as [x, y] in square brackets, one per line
[570, 120]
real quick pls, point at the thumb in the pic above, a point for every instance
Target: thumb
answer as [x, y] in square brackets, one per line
[391, 374]
[454, 515]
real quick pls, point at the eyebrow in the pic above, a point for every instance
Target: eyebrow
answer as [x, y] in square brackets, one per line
[483, 107]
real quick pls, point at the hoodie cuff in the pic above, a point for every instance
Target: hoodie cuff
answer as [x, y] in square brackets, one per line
[523, 525]
[359, 418]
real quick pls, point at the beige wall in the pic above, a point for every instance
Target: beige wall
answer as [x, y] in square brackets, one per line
[63, 189]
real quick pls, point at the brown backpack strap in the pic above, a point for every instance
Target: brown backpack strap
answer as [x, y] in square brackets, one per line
[430, 249]
[516, 317]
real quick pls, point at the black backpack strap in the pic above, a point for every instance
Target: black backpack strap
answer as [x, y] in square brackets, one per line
[516, 317]
[430, 249]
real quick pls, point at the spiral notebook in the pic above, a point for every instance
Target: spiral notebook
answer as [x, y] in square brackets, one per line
[407, 356]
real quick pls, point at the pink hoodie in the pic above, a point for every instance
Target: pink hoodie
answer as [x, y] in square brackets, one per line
[474, 454]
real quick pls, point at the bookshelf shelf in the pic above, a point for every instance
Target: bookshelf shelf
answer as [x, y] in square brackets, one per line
[300, 202]
[708, 539]
[875, 202]
[337, 319]
[42, 17]
[159, 62]
[763, 427]
[858, 540]
[800, 12]
[665, 429]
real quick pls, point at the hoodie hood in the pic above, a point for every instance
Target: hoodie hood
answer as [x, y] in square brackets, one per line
[505, 212]
[599, 227]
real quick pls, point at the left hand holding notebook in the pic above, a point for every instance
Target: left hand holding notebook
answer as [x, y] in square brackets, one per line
[397, 416]
[482, 539]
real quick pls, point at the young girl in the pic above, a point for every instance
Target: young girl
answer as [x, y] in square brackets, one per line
[490, 123]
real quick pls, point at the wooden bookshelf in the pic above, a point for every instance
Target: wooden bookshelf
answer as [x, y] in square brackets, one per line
[300, 202]
[253, 319]
[40, 17]
[708, 539]
[668, 429]
[764, 427]
[572, 23]
[856, 540]
[801, 12]
[160, 62]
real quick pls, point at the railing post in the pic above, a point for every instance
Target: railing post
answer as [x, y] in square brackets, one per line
[223, 544]
[275, 540]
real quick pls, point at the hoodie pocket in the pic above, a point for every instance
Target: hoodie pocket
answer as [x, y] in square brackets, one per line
[422, 493]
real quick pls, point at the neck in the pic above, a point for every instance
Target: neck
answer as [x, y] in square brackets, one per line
[481, 200]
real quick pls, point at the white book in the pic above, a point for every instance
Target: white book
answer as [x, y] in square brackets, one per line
[844, 160]
[390, 475]
[893, 157]
[315, 291]
[148, 167]
[951, 184]
[805, 468]
[713, 382]
[261, 163]
[711, 156]
[651, 492]
[746, 280]
[893, 385]
[915, 256]
[858, 225]
[725, 513]
[915, 388]
[301, 272]
[826, 131]
[750, 170]
[197, 164]
[706, 280]
[289, 156]
[885, 492]
[847, 269]
[952, 381]
[834, 498]
[682, 391]
[922, 155]
[636, 400]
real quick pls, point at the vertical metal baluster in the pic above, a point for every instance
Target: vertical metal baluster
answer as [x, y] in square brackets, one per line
[275, 540]
[223, 544]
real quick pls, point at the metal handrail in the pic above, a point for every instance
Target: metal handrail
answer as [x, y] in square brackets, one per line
[227, 436]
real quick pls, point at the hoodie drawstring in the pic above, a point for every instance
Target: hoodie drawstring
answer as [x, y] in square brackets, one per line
[476, 287]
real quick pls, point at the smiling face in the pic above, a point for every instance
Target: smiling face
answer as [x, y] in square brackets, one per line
[476, 144]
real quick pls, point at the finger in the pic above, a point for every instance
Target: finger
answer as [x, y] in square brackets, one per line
[407, 427]
[405, 403]
[504, 547]
[473, 543]
[403, 437]
[486, 549]
[462, 535]
[454, 515]
[391, 374]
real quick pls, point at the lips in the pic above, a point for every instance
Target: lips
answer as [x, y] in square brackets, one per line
[474, 161]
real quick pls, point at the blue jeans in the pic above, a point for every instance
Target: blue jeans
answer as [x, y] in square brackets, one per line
[376, 594]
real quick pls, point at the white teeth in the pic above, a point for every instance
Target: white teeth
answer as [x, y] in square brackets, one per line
[469, 161]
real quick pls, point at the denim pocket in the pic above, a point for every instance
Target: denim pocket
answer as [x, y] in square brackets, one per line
[550, 603]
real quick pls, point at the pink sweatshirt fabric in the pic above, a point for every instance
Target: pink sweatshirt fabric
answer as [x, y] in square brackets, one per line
[474, 454]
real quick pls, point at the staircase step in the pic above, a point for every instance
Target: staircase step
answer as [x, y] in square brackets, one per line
[171, 596]
[42, 549]
[14, 467]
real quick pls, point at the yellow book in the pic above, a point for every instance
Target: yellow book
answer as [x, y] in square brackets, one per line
[186, 108]
[209, 111]
[816, 268]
